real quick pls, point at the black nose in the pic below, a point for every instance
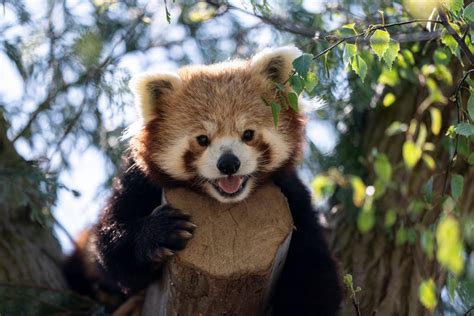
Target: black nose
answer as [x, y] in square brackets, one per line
[228, 164]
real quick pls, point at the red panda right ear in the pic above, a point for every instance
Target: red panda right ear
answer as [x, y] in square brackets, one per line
[148, 88]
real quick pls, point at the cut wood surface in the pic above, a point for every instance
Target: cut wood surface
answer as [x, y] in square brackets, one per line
[233, 260]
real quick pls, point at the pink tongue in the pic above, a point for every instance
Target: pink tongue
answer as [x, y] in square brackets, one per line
[230, 184]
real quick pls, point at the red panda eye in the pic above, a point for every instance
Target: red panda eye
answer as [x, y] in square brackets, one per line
[203, 140]
[248, 135]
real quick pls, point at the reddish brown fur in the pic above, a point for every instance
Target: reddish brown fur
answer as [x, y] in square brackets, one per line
[223, 93]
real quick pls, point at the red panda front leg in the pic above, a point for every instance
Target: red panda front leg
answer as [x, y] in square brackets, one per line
[134, 236]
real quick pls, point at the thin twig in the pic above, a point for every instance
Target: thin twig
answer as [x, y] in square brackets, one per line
[370, 30]
[452, 159]
[469, 310]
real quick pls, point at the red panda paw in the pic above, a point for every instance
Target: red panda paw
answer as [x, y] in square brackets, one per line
[170, 231]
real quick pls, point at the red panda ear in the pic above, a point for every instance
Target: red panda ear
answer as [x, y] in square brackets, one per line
[275, 63]
[148, 88]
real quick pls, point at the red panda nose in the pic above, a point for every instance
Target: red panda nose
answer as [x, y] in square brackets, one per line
[228, 164]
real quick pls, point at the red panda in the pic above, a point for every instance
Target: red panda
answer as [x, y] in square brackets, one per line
[209, 129]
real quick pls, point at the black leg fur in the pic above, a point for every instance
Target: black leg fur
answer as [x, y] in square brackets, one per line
[134, 235]
[309, 284]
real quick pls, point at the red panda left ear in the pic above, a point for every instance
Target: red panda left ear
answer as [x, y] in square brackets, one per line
[275, 63]
[150, 89]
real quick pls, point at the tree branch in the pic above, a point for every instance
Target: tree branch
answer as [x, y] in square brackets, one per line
[462, 45]
[277, 23]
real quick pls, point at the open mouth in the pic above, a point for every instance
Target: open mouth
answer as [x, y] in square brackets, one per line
[231, 185]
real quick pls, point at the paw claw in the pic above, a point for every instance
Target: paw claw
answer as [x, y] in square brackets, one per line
[185, 234]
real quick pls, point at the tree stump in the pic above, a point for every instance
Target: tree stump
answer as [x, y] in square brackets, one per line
[233, 261]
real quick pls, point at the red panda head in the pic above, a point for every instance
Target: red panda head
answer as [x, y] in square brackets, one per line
[209, 128]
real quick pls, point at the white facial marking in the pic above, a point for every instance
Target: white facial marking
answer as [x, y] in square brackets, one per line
[171, 161]
[207, 163]
[280, 151]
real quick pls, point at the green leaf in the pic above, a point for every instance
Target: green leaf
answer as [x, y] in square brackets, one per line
[293, 101]
[350, 27]
[448, 40]
[379, 42]
[452, 284]
[396, 128]
[276, 108]
[427, 294]
[401, 236]
[383, 168]
[322, 186]
[391, 53]
[470, 160]
[448, 205]
[365, 221]
[411, 153]
[441, 57]
[464, 129]
[457, 186]
[470, 103]
[390, 218]
[359, 66]
[428, 190]
[388, 99]
[469, 12]
[302, 64]
[427, 243]
[454, 6]
[296, 83]
[310, 82]
[350, 50]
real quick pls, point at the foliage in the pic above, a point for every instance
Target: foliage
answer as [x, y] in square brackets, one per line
[410, 189]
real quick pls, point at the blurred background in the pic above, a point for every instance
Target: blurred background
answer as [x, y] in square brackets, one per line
[65, 103]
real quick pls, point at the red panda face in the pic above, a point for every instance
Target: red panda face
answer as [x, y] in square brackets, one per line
[209, 128]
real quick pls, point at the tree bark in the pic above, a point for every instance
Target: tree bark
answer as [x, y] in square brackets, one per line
[29, 254]
[389, 275]
[231, 264]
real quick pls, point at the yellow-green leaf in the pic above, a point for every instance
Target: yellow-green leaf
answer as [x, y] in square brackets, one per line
[436, 120]
[450, 247]
[391, 53]
[429, 161]
[379, 41]
[427, 294]
[350, 50]
[388, 99]
[366, 221]
[448, 40]
[411, 154]
[310, 82]
[322, 186]
[359, 66]
[358, 188]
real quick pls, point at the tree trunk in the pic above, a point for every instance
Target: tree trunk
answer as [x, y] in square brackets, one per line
[29, 254]
[231, 264]
[389, 275]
